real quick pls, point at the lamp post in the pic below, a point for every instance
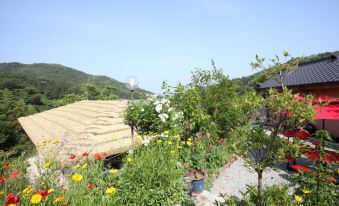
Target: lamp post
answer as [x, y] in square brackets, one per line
[132, 83]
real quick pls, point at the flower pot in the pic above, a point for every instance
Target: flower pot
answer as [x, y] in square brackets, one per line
[198, 180]
[198, 186]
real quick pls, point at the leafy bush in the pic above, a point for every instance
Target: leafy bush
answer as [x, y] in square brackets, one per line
[318, 185]
[276, 195]
[153, 175]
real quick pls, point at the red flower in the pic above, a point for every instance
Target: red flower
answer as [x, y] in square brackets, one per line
[6, 166]
[14, 174]
[42, 192]
[89, 186]
[97, 156]
[330, 178]
[85, 154]
[300, 168]
[12, 199]
[10, 195]
[2, 179]
[72, 156]
[329, 159]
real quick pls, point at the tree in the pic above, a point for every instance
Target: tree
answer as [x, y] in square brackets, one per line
[90, 91]
[263, 146]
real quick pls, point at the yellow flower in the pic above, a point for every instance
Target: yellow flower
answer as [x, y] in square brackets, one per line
[338, 171]
[84, 166]
[76, 166]
[36, 198]
[172, 152]
[298, 198]
[55, 142]
[2, 192]
[50, 191]
[179, 147]
[12, 204]
[59, 199]
[189, 139]
[177, 136]
[47, 164]
[159, 141]
[189, 143]
[110, 190]
[77, 177]
[129, 159]
[166, 132]
[113, 171]
[170, 142]
[182, 142]
[305, 191]
[28, 189]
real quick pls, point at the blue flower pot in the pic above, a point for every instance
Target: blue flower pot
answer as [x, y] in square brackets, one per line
[198, 185]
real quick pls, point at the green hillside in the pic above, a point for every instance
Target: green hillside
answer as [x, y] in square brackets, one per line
[26, 89]
[55, 81]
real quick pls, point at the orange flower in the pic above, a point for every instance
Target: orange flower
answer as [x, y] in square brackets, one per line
[14, 174]
[6, 166]
[89, 186]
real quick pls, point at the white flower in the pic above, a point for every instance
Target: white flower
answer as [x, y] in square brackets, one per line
[163, 117]
[170, 109]
[142, 110]
[163, 101]
[145, 142]
[158, 108]
[267, 132]
[175, 117]
[156, 102]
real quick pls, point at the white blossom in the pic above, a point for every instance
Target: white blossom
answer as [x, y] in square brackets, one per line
[145, 142]
[158, 108]
[170, 109]
[163, 117]
[156, 102]
[142, 110]
[175, 116]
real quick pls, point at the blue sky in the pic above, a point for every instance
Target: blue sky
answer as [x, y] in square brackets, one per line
[157, 40]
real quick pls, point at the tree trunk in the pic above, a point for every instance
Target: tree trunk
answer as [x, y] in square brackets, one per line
[260, 188]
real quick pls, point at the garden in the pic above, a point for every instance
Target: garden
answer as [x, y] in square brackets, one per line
[191, 132]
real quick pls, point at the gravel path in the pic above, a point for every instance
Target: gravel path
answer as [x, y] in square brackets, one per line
[234, 178]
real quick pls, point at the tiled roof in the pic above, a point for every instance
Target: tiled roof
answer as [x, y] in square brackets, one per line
[316, 72]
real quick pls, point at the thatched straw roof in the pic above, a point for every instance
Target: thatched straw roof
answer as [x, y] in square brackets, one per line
[85, 126]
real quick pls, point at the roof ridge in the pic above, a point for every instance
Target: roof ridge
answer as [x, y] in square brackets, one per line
[318, 60]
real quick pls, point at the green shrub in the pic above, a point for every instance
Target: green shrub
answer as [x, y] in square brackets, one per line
[154, 175]
[276, 195]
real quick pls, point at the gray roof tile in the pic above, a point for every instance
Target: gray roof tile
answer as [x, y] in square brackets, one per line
[316, 72]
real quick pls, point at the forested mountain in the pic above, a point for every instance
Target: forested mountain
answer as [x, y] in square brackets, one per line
[30, 88]
[55, 81]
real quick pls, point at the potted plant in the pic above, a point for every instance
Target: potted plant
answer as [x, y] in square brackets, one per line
[198, 180]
